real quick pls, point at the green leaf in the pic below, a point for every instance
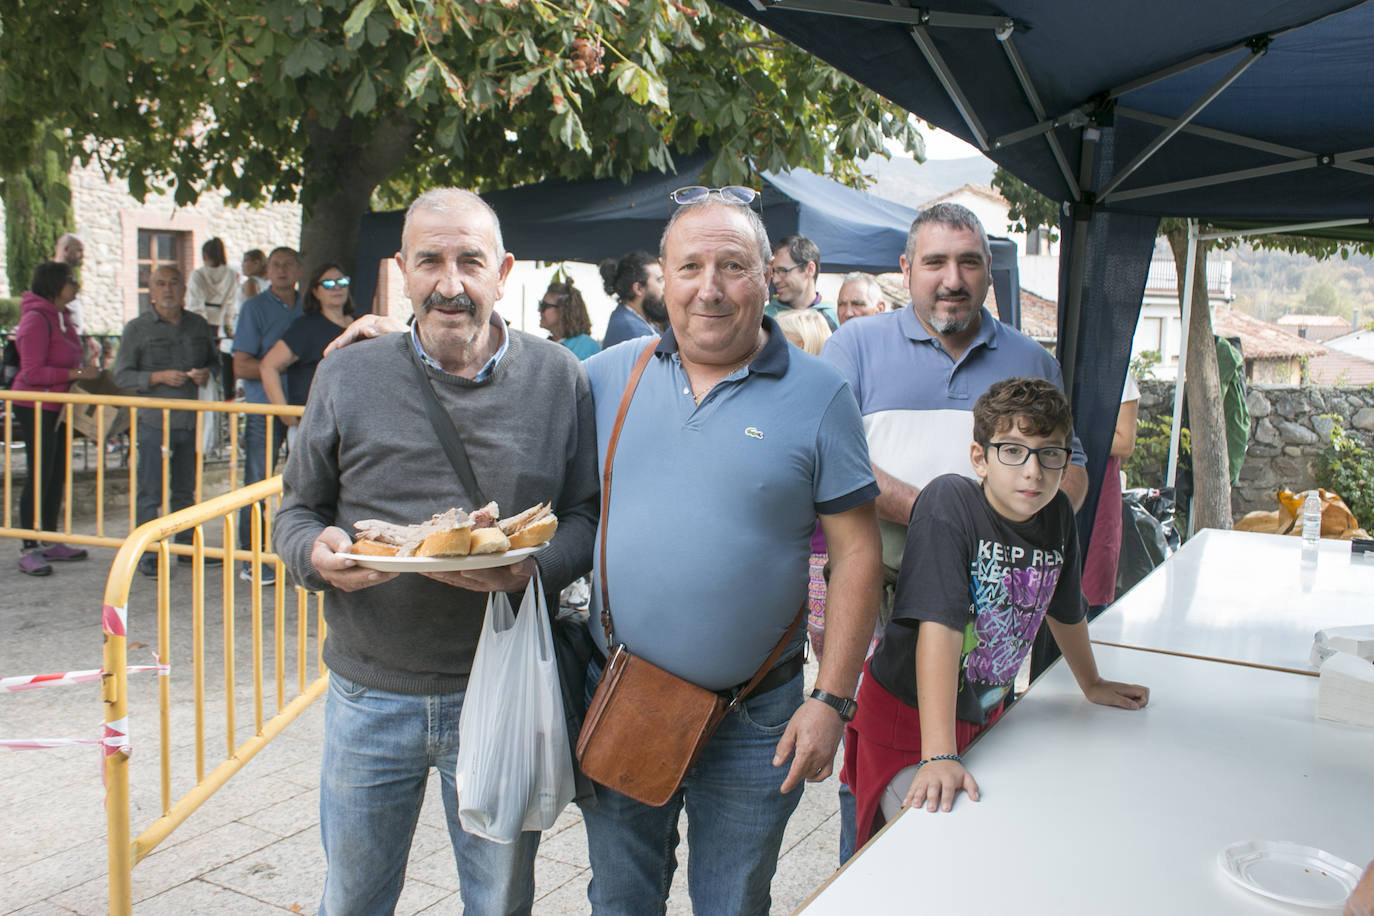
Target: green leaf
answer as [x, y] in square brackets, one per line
[377, 32]
[358, 17]
[364, 97]
[657, 92]
[418, 77]
[522, 84]
[567, 127]
[237, 69]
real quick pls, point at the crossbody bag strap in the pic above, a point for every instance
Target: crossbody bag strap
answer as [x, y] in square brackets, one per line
[625, 399]
[770, 661]
[606, 622]
[447, 433]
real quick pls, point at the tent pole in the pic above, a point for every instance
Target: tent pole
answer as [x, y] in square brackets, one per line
[1078, 255]
[1175, 427]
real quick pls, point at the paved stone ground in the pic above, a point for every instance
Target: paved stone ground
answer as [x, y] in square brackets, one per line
[254, 846]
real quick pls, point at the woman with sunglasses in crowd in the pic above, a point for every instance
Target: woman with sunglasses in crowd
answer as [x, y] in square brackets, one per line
[563, 313]
[327, 310]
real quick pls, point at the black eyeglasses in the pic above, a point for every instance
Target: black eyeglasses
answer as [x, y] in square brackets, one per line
[1013, 454]
[336, 283]
[731, 194]
[548, 305]
[784, 271]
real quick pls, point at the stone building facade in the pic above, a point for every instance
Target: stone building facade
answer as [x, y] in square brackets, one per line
[125, 239]
[1290, 426]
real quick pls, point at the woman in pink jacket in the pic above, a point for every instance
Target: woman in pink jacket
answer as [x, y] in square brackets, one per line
[50, 359]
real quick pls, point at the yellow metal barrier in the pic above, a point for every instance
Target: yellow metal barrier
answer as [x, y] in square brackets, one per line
[206, 412]
[123, 852]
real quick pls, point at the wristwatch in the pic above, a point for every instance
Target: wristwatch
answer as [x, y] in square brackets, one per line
[842, 705]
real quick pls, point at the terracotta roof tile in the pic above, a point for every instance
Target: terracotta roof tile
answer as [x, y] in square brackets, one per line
[1261, 339]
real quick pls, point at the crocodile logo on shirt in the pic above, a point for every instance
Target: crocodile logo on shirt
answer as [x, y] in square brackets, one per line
[753, 432]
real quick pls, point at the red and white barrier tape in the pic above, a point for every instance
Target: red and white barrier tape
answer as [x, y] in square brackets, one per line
[115, 739]
[34, 681]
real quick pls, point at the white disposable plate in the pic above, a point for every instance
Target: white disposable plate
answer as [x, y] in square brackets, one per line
[442, 564]
[1290, 872]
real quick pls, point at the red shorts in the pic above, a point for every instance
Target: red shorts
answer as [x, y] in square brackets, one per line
[884, 738]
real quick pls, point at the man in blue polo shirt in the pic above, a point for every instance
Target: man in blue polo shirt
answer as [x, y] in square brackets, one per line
[261, 322]
[917, 372]
[733, 445]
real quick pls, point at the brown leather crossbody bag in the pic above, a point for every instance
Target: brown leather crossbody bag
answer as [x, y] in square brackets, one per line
[646, 727]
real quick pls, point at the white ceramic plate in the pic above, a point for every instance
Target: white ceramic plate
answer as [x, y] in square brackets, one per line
[1289, 872]
[443, 564]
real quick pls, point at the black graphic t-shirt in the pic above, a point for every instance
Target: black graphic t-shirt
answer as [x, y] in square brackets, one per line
[969, 568]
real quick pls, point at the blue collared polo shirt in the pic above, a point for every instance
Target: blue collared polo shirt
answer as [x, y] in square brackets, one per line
[262, 321]
[713, 505]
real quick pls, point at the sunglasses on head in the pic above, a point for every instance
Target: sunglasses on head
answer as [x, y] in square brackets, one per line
[336, 283]
[730, 194]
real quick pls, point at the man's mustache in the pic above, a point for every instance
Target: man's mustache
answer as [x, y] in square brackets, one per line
[458, 303]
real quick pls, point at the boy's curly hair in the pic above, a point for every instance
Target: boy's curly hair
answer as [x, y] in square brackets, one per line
[1039, 405]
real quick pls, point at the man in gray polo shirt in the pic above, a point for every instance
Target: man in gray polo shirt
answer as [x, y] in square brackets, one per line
[732, 447]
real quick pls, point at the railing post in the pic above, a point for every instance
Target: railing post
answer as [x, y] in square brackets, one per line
[114, 691]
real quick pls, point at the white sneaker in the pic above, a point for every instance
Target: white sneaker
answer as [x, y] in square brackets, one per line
[269, 575]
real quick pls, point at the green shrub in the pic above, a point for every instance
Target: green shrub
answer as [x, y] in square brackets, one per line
[1143, 366]
[1148, 465]
[9, 314]
[1347, 467]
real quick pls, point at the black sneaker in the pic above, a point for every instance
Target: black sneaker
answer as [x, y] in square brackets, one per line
[148, 566]
[185, 560]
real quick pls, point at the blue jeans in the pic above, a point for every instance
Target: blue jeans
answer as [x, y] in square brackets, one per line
[255, 465]
[182, 474]
[735, 821]
[378, 750]
[849, 823]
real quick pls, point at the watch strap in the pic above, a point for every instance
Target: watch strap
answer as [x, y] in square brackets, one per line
[845, 706]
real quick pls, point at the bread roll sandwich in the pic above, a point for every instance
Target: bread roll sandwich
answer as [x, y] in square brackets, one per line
[448, 534]
[533, 526]
[455, 533]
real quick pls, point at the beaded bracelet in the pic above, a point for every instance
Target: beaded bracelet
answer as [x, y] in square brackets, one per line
[954, 757]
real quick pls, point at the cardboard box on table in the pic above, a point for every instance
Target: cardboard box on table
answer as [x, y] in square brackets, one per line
[114, 419]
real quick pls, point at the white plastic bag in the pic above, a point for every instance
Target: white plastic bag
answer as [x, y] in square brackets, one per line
[514, 764]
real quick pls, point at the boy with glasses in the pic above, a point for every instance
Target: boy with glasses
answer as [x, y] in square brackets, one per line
[985, 562]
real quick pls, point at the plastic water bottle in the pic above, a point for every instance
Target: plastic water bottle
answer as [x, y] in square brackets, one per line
[1311, 520]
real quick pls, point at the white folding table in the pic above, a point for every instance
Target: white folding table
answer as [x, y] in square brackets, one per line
[1088, 809]
[1242, 597]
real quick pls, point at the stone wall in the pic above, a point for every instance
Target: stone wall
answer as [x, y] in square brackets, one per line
[108, 219]
[1289, 428]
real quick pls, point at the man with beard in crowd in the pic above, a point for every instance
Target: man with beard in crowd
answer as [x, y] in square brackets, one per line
[636, 280]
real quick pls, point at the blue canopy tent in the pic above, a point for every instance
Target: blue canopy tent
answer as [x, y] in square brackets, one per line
[592, 220]
[1126, 112]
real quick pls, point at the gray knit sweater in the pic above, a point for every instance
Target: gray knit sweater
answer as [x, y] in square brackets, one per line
[366, 449]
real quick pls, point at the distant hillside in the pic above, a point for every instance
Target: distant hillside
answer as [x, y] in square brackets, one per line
[912, 183]
[1268, 284]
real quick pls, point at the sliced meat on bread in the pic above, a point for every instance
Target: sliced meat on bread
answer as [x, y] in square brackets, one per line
[530, 528]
